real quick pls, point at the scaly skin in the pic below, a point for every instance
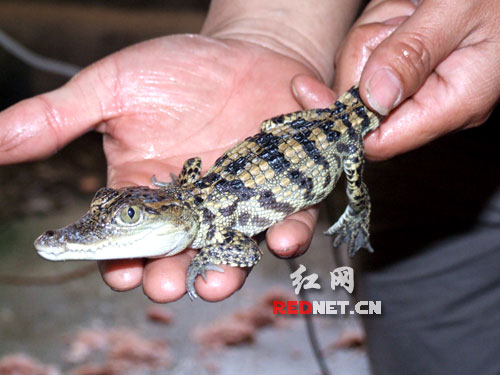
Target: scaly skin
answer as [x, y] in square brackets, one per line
[293, 163]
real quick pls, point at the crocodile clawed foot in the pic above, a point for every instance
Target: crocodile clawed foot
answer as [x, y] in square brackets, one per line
[162, 184]
[352, 231]
[195, 269]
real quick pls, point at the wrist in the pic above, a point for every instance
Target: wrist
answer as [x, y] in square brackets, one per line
[309, 34]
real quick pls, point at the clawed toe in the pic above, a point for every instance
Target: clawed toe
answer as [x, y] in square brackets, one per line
[194, 270]
[353, 234]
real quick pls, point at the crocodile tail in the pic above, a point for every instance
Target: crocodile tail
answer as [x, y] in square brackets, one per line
[351, 100]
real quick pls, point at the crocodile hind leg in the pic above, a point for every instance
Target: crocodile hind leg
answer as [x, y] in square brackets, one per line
[236, 250]
[353, 226]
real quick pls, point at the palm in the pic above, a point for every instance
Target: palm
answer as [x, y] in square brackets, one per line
[183, 96]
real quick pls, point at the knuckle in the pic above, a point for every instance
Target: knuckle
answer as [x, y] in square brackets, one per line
[351, 45]
[52, 121]
[363, 35]
[474, 107]
[412, 58]
[478, 117]
[26, 132]
[361, 41]
[10, 140]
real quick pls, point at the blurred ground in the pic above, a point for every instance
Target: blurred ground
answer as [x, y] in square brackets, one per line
[45, 322]
[78, 326]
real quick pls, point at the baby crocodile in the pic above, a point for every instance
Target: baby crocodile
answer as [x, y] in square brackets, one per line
[293, 163]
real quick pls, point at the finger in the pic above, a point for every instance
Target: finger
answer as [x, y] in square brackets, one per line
[311, 93]
[460, 94]
[379, 20]
[165, 279]
[39, 126]
[221, 285]
[122, 275]
[292, 236]
[402, 62]
[357, 48]
[381, 10]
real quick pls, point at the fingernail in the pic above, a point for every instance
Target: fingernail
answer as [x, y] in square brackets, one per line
[384, 91]
[287, 252]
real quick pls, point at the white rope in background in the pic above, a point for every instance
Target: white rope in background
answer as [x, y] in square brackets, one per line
[35, 60]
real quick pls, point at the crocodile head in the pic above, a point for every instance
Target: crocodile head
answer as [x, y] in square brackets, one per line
[131, 222]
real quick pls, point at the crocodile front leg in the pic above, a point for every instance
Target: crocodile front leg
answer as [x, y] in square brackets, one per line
[191, 172]
[353, 226]
[235, 249]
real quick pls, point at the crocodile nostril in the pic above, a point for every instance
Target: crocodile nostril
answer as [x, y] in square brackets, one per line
[49, 233]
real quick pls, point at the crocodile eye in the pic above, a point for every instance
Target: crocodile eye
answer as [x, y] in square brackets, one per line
[130, 214]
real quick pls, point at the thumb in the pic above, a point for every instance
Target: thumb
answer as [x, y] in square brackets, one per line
[37, 127]
[402, 62]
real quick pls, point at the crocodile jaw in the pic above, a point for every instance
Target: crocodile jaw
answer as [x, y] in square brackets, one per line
[149, 246]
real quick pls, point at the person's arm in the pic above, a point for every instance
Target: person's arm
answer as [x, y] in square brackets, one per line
[309, 32]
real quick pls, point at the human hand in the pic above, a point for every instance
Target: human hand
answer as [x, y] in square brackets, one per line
[441, 63]
[158, 103]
